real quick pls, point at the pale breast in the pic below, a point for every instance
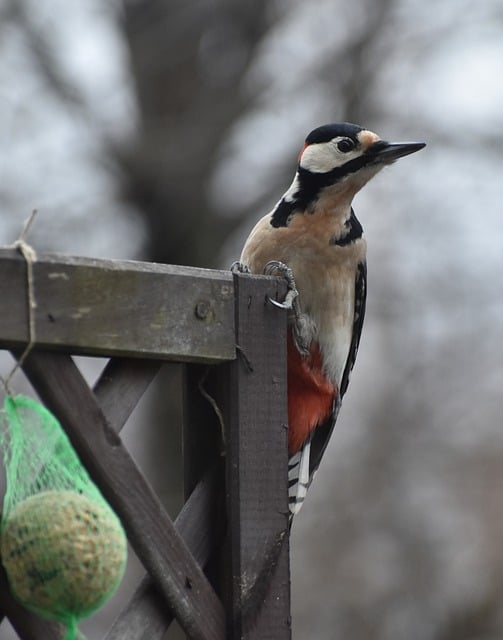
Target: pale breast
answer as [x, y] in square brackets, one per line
[324, 274]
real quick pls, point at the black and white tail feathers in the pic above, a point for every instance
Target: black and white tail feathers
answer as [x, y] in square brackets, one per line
[298, 478]
[303, 465]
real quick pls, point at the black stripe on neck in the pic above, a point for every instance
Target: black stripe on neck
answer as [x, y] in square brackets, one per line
[353, 230]
[310, 186]
[283, 211]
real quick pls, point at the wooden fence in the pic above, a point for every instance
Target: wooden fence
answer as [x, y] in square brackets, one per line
[234, 520]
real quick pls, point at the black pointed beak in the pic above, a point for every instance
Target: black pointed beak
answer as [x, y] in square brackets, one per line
[388, 152]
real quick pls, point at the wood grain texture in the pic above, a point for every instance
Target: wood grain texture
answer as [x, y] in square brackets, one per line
[151, 532]
[112, 307]
[146, 617]
[255, 413]
[133, 312]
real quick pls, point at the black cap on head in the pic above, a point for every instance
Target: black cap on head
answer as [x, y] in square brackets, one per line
[328, 131]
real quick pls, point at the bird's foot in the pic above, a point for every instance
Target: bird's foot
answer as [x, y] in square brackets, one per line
[275, 267]
[301, 329]
[239, 267]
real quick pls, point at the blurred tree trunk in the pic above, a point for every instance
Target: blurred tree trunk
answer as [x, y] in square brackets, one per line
[187, 61]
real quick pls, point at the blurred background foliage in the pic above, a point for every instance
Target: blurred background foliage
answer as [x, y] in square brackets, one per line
[162, 129]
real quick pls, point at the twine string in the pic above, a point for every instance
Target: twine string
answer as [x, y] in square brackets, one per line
[30, 257]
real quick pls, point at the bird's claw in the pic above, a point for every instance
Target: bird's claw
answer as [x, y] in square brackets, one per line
[300, 327]
[272, 268]
[276, 303]
[239, 267]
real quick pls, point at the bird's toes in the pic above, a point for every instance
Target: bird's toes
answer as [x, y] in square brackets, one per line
[239, 267]
[275, 267]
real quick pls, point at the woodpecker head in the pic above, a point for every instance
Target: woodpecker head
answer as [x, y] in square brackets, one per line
[337, 159]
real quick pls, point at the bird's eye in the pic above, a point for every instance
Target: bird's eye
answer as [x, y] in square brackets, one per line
[346, 145]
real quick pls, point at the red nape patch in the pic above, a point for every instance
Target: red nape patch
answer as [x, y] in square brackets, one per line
[310, 395]
[301, 152]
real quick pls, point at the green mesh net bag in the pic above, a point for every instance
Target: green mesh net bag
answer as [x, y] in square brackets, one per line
[62, 547]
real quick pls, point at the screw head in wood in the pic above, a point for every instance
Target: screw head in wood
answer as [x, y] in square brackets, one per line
[202, 309]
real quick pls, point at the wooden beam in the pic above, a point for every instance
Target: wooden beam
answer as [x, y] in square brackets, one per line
[253, 401]
[158, 545]
[112, 307]
[121, 386]
[146, 617]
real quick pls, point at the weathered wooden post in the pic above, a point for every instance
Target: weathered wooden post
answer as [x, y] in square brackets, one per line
[139, 315]
[258, 605]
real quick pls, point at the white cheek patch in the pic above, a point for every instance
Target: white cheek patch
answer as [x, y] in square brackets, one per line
[324, 156]
[319, 158]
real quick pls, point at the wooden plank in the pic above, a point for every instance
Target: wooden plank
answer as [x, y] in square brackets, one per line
[150, 530]
[146, 616]
[258, 605]
[121, 386]
[112, 307]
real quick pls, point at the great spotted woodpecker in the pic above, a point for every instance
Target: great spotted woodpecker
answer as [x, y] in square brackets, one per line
[314, 239]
